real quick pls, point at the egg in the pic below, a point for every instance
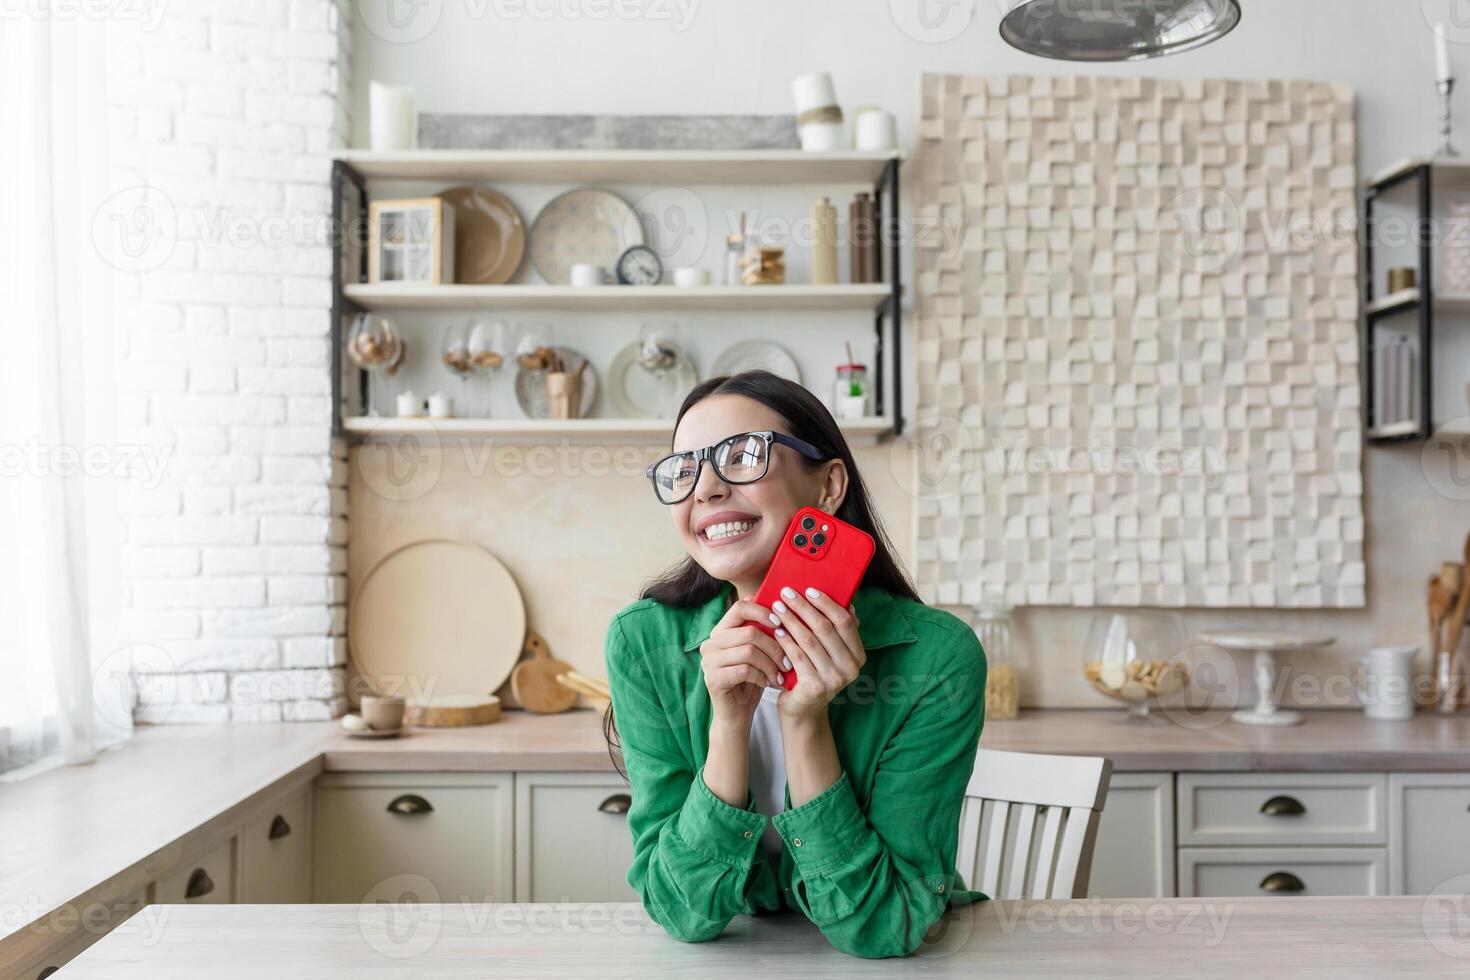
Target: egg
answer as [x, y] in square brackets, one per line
[354, 723]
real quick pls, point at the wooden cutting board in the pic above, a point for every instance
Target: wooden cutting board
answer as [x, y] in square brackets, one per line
[534, 680]
[437, 619]
[453, 712]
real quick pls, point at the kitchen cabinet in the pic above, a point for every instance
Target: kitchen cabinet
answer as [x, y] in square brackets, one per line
[572, 839]
[1133, 856]
[207, 880]
[440, 836]
[1232, 872]
[1429, 831]
[276, 852]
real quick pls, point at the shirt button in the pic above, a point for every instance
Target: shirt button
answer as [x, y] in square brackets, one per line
[941, 887]
[796, 841]
[748, 835]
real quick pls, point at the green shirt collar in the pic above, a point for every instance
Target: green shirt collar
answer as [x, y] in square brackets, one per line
[880, 622]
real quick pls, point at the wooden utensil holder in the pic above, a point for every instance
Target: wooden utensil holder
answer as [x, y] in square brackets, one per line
[564, 394]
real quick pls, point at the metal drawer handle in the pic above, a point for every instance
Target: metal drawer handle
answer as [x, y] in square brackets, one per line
[410, 804]
[1283, 806]
[279, 828]
[1282, 881]
[617, 803]
[200, 884]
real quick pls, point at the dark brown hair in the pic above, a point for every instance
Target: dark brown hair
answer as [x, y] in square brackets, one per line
[688, 585]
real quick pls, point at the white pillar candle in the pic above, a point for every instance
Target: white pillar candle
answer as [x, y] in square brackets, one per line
[1441, 53]
[392, 124]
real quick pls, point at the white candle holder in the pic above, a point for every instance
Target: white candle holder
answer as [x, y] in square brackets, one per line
[1446, 117]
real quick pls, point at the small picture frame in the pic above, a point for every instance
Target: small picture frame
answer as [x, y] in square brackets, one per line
[411, 240]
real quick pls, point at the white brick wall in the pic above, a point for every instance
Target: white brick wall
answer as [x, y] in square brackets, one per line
[235, 562]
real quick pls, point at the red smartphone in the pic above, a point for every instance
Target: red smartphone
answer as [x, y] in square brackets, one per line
[817, 552]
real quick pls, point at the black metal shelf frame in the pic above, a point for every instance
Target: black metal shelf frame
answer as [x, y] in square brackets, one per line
[1424, 306]
[887, 318]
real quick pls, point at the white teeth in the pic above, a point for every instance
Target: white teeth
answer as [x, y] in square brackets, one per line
[716, 531]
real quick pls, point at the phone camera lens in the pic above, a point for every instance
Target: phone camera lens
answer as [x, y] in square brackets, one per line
[807, 523]
[799, 540]
[812, 550]
[819, 539]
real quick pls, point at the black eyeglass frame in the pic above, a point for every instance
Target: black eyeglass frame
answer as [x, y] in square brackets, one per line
[707, 454]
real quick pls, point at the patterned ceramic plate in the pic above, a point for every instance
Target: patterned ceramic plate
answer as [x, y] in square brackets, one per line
[584, 225]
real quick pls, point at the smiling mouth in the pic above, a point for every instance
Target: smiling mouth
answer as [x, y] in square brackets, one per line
[727, 531]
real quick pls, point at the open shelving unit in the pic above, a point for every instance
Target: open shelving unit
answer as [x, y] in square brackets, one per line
[1425, 175]
[354, 170]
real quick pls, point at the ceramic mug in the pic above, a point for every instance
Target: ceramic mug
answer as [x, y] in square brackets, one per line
[691, 277]
[383, 713]
[588, 274]
[1387, 685]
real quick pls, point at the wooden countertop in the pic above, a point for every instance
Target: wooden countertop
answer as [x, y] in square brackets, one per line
[1279, 936]
[91, 833]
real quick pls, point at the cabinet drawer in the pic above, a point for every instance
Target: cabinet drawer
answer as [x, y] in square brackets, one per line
[1273, 808]
[1234, 872]
[208, 880]
[1429, 829]
[275, 853]
[572, 838]
[443, 837]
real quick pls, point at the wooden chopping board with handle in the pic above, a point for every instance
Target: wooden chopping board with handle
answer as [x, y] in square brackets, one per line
[534, 680]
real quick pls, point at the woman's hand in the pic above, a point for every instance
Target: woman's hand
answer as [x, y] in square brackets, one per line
[739, 662]
[821, 640]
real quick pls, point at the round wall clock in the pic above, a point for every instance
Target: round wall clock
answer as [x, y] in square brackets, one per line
[639, 266]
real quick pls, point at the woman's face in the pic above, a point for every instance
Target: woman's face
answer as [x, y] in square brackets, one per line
[760, 510]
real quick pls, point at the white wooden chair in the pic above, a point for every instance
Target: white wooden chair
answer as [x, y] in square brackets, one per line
[1029, 822]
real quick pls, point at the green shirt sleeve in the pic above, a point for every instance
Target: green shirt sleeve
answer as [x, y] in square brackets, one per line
[696, 859]
[874, 883]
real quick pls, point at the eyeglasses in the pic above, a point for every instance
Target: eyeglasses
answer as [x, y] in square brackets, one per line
[742, 458]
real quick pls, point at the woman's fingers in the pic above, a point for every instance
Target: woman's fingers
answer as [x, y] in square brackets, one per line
[744, 644]
[837, 641]
[815, 651]
[842, 618]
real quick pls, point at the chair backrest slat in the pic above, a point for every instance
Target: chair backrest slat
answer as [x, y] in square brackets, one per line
[995, 840]
[1011, 791]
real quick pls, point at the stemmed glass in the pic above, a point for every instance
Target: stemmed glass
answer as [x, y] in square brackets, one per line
[485, 342]
[660, 353]
[375, 346]
[455, 355]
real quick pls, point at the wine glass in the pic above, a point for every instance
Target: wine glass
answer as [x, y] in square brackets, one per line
[485, 342]
[660, 352]
[375, 346]
[1134, 657]
[455, 356]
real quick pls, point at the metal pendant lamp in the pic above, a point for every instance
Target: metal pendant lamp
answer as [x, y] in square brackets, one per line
[1115, 30]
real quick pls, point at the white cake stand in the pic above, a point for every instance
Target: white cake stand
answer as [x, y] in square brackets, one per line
[1266, 644]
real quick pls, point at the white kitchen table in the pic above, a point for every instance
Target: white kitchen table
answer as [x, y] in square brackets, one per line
[1248, 937]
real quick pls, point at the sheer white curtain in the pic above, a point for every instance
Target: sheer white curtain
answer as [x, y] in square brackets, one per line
[58, 460]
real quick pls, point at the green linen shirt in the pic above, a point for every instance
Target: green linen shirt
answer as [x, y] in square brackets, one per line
[871, 859]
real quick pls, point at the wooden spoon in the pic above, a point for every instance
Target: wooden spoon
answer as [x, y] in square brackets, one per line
[1462, 603]
[1448, 696]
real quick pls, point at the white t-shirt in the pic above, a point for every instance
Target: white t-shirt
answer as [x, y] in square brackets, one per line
[768, 767]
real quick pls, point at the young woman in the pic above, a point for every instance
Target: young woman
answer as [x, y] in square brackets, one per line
[840, 798]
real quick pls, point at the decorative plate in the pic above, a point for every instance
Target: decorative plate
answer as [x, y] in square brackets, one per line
[489, 235]
[531, 386]
[751, 355]
[584, 225]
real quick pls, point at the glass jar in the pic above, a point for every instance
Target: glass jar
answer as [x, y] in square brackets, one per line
[992, 624]
[850, 391]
